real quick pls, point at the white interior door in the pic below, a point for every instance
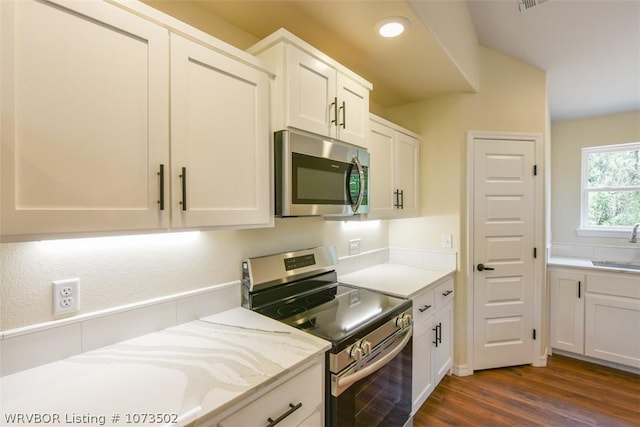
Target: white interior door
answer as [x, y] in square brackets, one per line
[503, 243]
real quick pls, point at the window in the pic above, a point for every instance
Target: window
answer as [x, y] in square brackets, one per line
[610, 188]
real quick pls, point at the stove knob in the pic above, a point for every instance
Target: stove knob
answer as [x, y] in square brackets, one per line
[356, 353]
[365, 346]
[399, 322]
[407, 318]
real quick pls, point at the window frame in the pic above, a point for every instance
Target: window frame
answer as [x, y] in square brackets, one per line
[601, 230]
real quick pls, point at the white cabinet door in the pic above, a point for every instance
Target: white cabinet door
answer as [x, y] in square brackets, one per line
[313, 92]
[84, 118]
[567, 310]
[220, 139]
[353, 111]
[310, 99]
[381, 176]
[406, 168]
[422, 377]
[612, 329]
[443, 334]
[394, 172]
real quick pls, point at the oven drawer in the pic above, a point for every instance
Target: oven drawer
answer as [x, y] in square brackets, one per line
[444, 293]
[296, 402]
[423, 306]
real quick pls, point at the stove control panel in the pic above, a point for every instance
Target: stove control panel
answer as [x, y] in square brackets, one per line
[296, 262]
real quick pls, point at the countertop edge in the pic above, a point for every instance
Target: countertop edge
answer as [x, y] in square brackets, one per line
[583, 263]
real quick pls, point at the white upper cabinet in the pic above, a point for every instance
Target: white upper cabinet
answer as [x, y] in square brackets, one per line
[85, 115]
[88, 123]
[311, 84]
[219, 139]
[313, 92]
[394, 170]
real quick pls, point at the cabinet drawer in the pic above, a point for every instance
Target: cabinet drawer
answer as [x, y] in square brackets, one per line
[304, 389]
[444, 293]
[627, 285]
[423, 306]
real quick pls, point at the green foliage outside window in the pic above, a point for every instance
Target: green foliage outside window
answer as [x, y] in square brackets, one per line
[613, 187]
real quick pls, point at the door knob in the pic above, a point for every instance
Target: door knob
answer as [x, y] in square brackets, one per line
[481, 267]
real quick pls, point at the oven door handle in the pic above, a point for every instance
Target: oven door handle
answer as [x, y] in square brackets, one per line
[342, 383]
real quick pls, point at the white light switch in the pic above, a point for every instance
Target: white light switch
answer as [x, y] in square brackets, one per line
[447, 241]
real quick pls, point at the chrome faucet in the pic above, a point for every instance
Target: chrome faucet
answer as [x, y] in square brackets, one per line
[634, 234]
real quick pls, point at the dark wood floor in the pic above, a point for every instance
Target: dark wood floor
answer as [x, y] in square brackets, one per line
[568, 392]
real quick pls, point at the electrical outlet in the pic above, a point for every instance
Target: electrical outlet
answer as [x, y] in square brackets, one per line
[447, 241]
[354, 246]
[66, 296]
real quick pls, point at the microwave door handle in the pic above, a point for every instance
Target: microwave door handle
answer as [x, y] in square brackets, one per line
[360, 168]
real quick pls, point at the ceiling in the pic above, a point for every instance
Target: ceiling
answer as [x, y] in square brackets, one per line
[590, 49]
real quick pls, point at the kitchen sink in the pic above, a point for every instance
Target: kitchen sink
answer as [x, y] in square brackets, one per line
[631, 265]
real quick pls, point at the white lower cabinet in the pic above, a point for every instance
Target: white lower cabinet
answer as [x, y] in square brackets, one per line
[567, 310]
[612, 318]
[432, 339]
[443, 353]
[596, 314]
[297, 400]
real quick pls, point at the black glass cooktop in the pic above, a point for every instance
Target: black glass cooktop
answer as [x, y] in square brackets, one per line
[336, 312]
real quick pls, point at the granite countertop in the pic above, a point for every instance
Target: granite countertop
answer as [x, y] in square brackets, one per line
[182, 373]
[395, 279]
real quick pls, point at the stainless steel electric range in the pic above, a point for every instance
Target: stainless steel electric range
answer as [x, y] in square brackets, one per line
[368, 378]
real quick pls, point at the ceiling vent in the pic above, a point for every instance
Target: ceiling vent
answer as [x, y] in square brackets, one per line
[528, 4]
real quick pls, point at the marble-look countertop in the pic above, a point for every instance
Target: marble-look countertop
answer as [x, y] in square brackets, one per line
[191, 370]
[395, 279]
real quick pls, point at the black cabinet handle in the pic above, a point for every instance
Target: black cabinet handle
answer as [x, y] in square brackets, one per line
[438, 330]
[161, 178]
[334, 104]
[344, 116]
[183, 176]
[425, 308]
[446, 294]
[399, 199]
[579, 289]
[292, 409]
[481, 267]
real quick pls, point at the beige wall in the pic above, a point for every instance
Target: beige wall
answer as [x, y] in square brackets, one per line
[512, 98]
[568, 138]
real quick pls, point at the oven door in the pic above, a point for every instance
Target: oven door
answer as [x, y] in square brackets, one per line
[377, 390]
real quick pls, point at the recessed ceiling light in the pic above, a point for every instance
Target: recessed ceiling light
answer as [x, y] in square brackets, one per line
[392, 26]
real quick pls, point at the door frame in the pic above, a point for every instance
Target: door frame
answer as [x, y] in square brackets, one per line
[539, 356]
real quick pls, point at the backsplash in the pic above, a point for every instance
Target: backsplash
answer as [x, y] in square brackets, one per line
[593, 252]
[34, 345]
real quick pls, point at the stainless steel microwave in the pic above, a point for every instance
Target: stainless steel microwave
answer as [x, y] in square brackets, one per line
[317, 175]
